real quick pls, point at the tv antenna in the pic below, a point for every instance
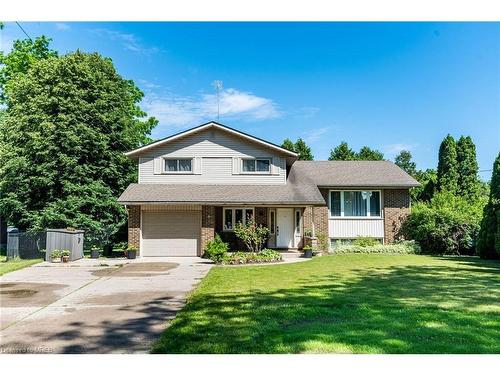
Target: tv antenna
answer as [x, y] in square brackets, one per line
[218, 86]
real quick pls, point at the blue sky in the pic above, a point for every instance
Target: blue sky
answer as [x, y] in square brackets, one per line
[390, 86]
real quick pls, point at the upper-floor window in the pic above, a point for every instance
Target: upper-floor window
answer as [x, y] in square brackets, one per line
[178, 165]
[256, 165]
[354, 203]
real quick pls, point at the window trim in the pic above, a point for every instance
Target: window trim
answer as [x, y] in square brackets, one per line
[255, 162]
[165, 171]
[233, 221]
[368, 217]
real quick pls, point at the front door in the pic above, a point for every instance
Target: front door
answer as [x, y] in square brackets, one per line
[284, 227]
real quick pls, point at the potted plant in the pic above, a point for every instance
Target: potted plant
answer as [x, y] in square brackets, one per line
[55, 256]
[65, 256]
[308, 251]
[131, 252]
[94, 252]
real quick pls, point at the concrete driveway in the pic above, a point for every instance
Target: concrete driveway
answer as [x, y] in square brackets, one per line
[94, 306]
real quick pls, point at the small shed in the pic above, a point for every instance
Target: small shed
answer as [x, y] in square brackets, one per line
[65, 239]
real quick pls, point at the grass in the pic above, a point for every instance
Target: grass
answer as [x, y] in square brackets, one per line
[15, 264]
[358, 303]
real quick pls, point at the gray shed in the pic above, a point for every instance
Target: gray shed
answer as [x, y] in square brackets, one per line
[62, 239]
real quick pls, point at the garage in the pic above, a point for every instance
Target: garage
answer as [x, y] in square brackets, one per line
[171, 233]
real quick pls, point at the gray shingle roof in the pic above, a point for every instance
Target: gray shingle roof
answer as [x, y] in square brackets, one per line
[301, 188]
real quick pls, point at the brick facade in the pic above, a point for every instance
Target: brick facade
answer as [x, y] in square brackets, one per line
[320, 217]
[207, 226]
[396, 208]
[134, 226]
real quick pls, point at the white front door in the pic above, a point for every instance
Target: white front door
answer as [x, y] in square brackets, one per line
[284, 227]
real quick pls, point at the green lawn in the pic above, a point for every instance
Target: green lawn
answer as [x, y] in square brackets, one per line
[15, 264]
[344, 304]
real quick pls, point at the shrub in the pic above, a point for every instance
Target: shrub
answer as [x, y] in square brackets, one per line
[402, 247]
[240, 257]
[365, 241]
[253, 235]
[216, 249]
[323, 242]
[446, 225]
[56, 254]
[65, 253]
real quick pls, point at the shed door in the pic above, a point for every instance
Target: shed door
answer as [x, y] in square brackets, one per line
[171, 233]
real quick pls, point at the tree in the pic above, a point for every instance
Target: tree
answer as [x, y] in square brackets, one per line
[467, 168]
[303, 150]
[342, 152]
[428, 180]
[288, 144]
[403, 161]
[447, 173]
[24, 54]
[67, 123]
[488, 243]
[366, 153]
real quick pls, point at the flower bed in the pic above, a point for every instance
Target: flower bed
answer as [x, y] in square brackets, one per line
[240, 257]
[403, 247]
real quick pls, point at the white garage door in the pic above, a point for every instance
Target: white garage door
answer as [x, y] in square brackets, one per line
[170, 233]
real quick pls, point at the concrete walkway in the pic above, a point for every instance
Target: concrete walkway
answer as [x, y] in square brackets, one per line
[94, 306]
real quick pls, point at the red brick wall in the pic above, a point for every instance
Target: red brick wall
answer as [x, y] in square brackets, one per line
[207, 225]
[134, 226]
[396, 209]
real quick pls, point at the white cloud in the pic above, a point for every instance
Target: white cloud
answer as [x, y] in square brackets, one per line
[179, 111]
[314, 135]
[128, 41]
[396, 148]
[62, 26]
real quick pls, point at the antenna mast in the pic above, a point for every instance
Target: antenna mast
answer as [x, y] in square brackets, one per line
[218, 86]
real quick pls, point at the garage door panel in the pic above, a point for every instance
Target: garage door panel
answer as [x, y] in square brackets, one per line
[171, 233]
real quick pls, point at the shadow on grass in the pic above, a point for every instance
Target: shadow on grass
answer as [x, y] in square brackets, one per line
[400, 309]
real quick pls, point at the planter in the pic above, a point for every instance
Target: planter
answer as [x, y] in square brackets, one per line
[65, 258]
[131, 254]
[308, 253]
[94, 254]
[55, 260]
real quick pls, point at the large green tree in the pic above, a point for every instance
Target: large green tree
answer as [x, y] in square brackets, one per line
[342, 152]
[288, 144]
[366, 153]
[303, 150]
[68, 121]
[404, 161]
[488, 243]
[447, 171]
[468, 184]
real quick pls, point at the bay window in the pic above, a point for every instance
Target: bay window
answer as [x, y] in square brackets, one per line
[356, 203]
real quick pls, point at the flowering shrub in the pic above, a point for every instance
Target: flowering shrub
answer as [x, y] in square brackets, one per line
[253, 235]
[402, 247]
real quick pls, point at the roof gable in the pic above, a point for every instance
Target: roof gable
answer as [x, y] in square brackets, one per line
[207, 126]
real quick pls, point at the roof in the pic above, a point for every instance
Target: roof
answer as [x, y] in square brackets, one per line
[382, 174]
[208, 125]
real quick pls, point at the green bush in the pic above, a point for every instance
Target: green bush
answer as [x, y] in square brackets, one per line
[253, 235]
[446, 225]
[216, 249]
[365, 241]
[240, 257]
[402, 247]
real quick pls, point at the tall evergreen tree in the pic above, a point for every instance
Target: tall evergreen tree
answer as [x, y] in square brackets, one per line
[342, 152]
[447, 173]
[68, 121]
[468, 181]
[288, 144]
[303, 150]
[488, 243]
[366, 153]
[403, 161]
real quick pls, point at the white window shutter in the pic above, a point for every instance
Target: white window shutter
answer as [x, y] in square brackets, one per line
[275, 168]
[158, 165]
[236, 165]
[198, 161]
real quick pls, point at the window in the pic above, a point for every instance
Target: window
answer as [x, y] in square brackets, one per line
[233, 216]
[272, 222]
[256, 165]
[354, 203]
[297, 222]
[178, 165]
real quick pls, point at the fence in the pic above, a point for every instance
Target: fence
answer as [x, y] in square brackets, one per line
[34, 245]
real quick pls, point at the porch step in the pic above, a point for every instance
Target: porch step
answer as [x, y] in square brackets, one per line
[291, 254]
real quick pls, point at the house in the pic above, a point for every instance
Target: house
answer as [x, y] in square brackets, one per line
[203, 181]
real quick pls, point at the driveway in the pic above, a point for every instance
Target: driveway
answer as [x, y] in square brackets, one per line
[94, 306]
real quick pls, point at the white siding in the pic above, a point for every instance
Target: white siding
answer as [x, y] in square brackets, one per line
[217, 152]
[352, 228]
